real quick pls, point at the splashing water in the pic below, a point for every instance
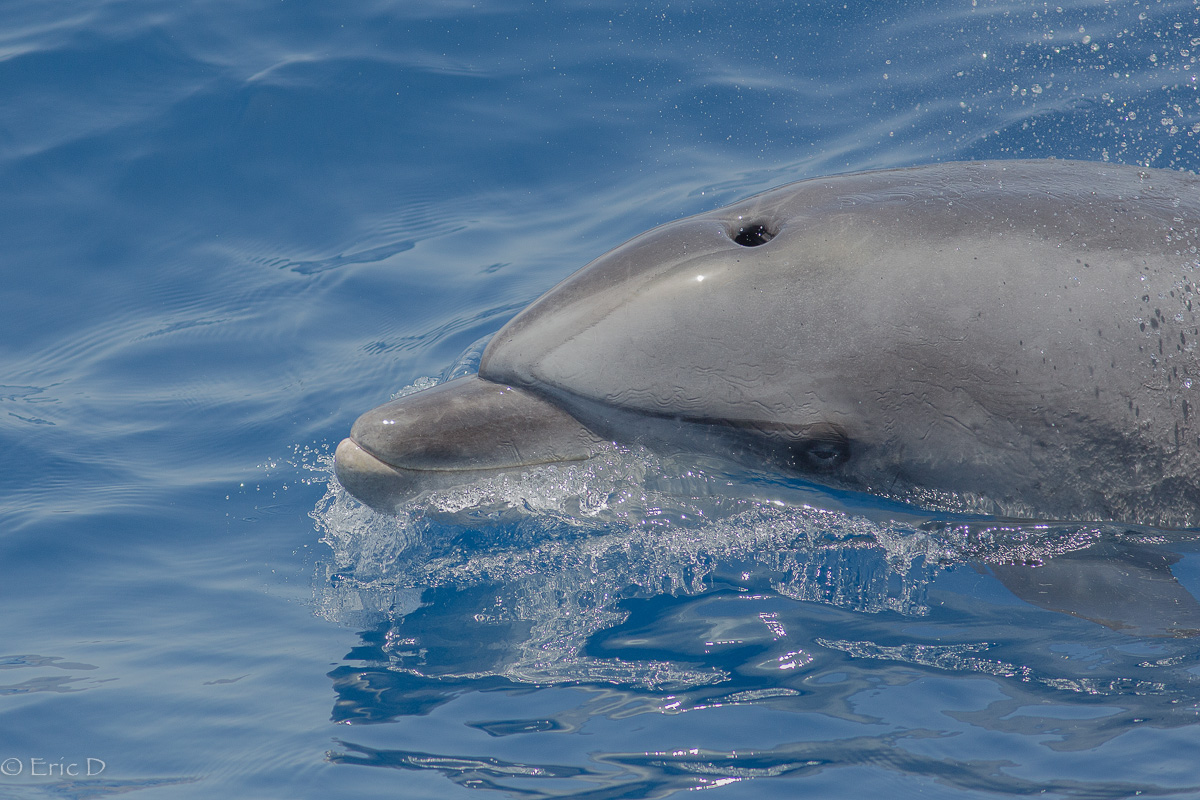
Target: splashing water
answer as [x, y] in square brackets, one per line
[551, 554]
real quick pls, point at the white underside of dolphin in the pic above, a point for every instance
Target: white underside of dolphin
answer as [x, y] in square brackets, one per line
[1021, 331]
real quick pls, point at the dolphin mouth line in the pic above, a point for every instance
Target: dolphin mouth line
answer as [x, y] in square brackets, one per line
[385, 487]
[369, 453]
[366, 451]
[349, 451]
[453, 470]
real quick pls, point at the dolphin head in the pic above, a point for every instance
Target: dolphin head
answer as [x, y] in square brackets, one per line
[968, 330]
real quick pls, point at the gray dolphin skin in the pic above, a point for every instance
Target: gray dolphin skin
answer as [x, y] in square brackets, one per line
[1126, 587]
[1017, 337]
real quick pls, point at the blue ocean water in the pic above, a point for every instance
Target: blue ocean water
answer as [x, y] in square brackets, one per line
[228, 228]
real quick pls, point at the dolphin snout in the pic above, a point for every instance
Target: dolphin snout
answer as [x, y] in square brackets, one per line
[375, 483]
[450, 434]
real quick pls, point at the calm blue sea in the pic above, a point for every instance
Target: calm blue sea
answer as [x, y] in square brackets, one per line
[228, 228]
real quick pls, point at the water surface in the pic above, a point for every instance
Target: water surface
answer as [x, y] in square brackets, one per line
[229, 228]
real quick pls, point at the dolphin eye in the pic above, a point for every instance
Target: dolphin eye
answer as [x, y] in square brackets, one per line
[752, 234]
[823, 454]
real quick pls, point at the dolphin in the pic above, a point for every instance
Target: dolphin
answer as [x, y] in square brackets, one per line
[1018, 337]
[1128, 587]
